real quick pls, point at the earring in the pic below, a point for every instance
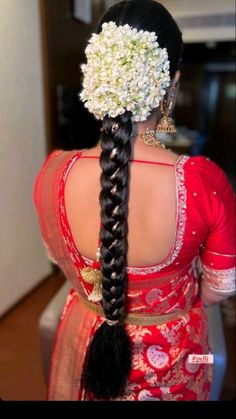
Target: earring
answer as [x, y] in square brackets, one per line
[166, 123]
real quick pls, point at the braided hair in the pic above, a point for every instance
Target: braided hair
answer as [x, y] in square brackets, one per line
[108, 360]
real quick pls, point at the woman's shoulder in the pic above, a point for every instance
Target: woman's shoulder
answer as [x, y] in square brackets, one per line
[204, 162]
[55, 158]
[205, 167]
[53, 162]
[211, 176]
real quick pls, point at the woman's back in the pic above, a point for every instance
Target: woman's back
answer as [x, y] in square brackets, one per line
[152, 206]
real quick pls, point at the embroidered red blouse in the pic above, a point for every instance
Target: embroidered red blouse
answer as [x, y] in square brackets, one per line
[204, 242]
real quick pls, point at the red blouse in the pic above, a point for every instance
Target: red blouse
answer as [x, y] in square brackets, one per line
[166, 319]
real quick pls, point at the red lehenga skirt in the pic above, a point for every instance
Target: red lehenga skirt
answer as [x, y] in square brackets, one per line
[165, 319]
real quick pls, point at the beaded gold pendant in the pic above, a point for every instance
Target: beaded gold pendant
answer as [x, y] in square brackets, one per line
[93, 276]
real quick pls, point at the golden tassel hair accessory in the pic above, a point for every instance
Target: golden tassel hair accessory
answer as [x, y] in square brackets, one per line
[93, 276]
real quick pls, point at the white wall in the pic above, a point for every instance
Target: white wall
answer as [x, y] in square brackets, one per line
[23, 262]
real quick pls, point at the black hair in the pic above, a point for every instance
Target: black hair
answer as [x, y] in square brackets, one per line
[108, 360]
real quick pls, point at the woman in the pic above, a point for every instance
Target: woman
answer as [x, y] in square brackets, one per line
[160, 220]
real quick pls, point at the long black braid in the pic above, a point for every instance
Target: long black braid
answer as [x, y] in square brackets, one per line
[108, 360]
[109, 356]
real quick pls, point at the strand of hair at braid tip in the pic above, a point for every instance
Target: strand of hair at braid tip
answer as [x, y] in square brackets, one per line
[114, 160]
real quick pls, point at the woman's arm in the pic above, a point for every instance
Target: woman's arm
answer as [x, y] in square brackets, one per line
[210, 297]
[217, 255]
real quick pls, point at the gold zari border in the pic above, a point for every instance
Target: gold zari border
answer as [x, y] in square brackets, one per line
[144, 319]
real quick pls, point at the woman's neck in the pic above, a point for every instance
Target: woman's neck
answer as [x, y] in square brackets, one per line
[150, 123]
[140, 149]
[138, 146]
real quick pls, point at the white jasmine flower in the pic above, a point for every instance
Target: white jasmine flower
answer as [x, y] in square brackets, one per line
[126, 70]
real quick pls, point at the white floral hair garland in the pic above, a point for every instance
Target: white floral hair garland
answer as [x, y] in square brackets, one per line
[126, 70]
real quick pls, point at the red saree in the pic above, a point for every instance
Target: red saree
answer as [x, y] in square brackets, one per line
[166, 320]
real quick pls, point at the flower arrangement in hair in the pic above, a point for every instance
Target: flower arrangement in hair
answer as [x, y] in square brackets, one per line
[126, 70]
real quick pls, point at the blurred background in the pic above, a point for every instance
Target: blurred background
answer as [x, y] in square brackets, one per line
[42, 47]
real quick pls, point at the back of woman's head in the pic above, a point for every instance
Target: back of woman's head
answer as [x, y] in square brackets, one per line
[108, 361]
[148, 15]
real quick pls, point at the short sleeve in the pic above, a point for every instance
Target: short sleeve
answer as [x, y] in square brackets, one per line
[217, 255]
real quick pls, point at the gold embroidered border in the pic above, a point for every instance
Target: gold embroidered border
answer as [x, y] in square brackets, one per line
[144, 319]
[219, 280]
